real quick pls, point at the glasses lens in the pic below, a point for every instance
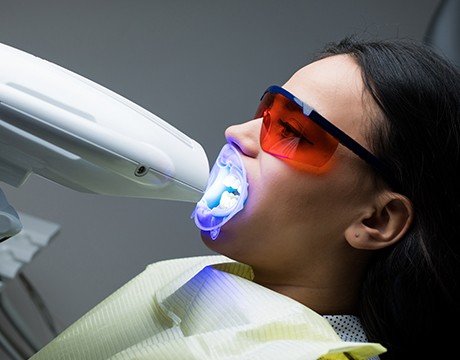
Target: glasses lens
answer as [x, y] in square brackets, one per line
[289, 134]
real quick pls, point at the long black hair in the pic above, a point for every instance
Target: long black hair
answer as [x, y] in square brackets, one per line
[411, 290]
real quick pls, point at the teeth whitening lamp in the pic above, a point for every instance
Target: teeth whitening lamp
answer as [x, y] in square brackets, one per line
[72, 131]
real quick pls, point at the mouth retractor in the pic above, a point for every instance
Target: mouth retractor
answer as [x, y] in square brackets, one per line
[225, 194]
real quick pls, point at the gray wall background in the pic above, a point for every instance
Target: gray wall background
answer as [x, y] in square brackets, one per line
[201, 66]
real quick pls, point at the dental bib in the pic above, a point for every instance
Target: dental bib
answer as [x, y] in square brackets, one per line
[225, 194]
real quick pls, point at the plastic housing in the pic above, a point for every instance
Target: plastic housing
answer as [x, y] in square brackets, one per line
[70, 130]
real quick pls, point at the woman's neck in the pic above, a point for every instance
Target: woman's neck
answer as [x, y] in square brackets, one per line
[331, 287]
[328, 300]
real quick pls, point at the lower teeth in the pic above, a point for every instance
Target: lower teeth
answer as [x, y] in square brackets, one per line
[228, 200]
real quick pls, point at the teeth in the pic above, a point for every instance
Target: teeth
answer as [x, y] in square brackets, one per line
[233, 182]
[228, 200]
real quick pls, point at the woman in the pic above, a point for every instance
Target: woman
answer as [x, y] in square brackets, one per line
[354, 236]
[339, 201]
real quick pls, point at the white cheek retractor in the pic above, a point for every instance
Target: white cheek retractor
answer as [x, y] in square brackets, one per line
[225, 194]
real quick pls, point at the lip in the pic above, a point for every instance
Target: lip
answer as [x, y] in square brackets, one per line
[226, 192]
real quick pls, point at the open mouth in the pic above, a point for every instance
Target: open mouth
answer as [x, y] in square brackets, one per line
[225, 194]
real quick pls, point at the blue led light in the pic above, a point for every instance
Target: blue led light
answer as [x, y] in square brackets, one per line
[226, 192]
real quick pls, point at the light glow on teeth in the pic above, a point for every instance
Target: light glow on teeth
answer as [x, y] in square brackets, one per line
[225, 194]
[228, 200]
[233, 182]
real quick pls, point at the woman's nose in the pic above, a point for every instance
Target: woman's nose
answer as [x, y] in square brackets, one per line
[245, 136]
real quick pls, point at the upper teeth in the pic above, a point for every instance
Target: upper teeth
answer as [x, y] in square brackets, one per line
[233, 182]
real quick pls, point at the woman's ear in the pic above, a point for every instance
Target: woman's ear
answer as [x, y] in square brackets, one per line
[386, 222]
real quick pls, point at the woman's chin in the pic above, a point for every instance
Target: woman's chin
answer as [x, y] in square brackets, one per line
[222, 244]
[211, 243]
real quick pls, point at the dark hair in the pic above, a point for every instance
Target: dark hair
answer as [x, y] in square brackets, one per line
[411, 290]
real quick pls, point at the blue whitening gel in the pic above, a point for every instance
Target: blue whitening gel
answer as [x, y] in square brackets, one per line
[225, 194]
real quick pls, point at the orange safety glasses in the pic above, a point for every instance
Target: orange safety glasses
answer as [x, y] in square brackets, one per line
[294, 131]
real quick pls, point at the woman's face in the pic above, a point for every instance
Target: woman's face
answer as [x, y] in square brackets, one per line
[294, 216]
